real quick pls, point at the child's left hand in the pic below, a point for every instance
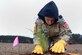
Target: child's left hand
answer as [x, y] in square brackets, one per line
[59, 47]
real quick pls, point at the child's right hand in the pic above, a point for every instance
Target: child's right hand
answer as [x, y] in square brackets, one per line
[38, 50]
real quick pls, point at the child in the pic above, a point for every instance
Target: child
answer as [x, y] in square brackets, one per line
[55, 31]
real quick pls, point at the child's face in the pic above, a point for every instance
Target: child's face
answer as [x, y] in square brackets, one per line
[49, 20]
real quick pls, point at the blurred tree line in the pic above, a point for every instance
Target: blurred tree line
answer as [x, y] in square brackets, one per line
[76, 39]
[10, 39]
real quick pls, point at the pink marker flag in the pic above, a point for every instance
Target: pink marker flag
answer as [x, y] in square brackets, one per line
[16, 42]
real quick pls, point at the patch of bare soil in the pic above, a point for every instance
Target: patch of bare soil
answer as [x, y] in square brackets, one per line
[26, 49]
[70, 50]
[52, 54]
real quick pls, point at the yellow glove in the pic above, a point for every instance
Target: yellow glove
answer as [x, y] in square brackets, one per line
[59, 47]
[38, 50]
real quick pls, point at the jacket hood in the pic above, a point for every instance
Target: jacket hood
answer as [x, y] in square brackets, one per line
[49, 10]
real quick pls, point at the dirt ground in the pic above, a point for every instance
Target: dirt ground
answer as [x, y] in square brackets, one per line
[48, 53]
[74, 49]
[26, 49]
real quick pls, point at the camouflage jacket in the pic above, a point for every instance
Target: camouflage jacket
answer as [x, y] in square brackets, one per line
[60, 29]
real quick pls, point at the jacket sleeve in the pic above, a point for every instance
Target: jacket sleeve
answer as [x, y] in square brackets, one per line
[65, 32]
[36, 39]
